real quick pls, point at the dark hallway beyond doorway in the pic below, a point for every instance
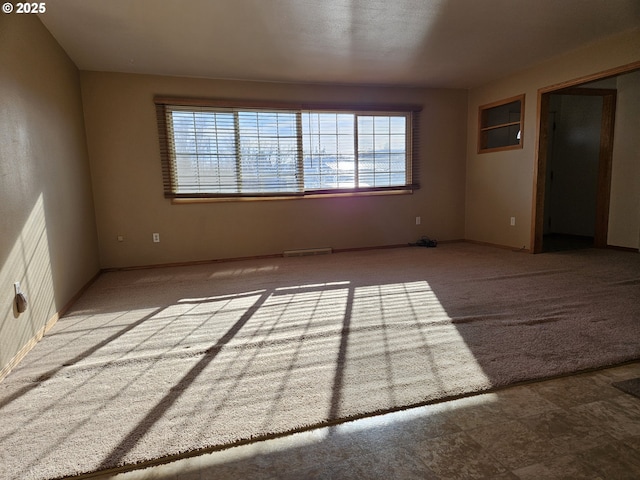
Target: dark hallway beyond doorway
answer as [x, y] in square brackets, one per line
[556, 242]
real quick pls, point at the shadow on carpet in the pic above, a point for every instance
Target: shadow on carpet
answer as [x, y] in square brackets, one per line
[155, 364]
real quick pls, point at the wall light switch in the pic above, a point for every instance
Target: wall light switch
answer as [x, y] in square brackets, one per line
[513, 221]
[156, 238]
[120, 238]
[418, 220]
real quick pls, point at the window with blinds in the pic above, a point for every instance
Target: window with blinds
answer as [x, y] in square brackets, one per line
[230, 151]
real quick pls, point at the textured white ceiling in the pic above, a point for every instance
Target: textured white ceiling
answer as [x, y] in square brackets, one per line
[444, 43]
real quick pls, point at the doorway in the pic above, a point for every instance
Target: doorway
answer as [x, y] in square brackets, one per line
[574, 168]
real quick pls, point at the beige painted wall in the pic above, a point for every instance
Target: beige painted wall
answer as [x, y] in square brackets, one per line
[48, 234]
[500, 185]
[624, 218]
[123, 148]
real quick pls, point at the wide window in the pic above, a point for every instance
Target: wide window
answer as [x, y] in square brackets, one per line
[221, 151]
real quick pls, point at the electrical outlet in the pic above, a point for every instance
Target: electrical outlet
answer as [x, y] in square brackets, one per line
[513, 221]
[156, 238]
[120, 238]
[418, 220]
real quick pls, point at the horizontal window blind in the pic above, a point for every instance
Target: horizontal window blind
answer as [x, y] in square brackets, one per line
[226, 151]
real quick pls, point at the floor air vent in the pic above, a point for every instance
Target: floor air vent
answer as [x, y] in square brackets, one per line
[306, 251]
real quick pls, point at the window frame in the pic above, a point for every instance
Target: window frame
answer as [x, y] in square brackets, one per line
[484, 128]
[169, 173]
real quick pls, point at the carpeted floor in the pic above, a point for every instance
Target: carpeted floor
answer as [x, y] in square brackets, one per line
[162, 362]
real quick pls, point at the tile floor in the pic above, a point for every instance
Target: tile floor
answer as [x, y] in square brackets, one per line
[578, 427]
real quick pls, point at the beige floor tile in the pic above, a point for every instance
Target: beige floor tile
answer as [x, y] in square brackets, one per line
[196, 475]
[248, 469]
[469, 413]
[566, 467]
[633, 442]
[617, 374]
[537, 471]
[399, 462]
[420, 427]
[457, 456]
[576, 390]
[523, 401]
[615, 461]
[159, 472]
[619, 417]
[629, 404]
[513, 444]
[225, 474]
[567, 431]
[175, 470]
[320, 472]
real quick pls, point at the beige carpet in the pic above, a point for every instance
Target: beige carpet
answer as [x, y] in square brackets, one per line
[160, 362]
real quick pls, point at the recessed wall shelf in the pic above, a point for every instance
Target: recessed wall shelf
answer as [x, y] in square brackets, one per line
[500, 125]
